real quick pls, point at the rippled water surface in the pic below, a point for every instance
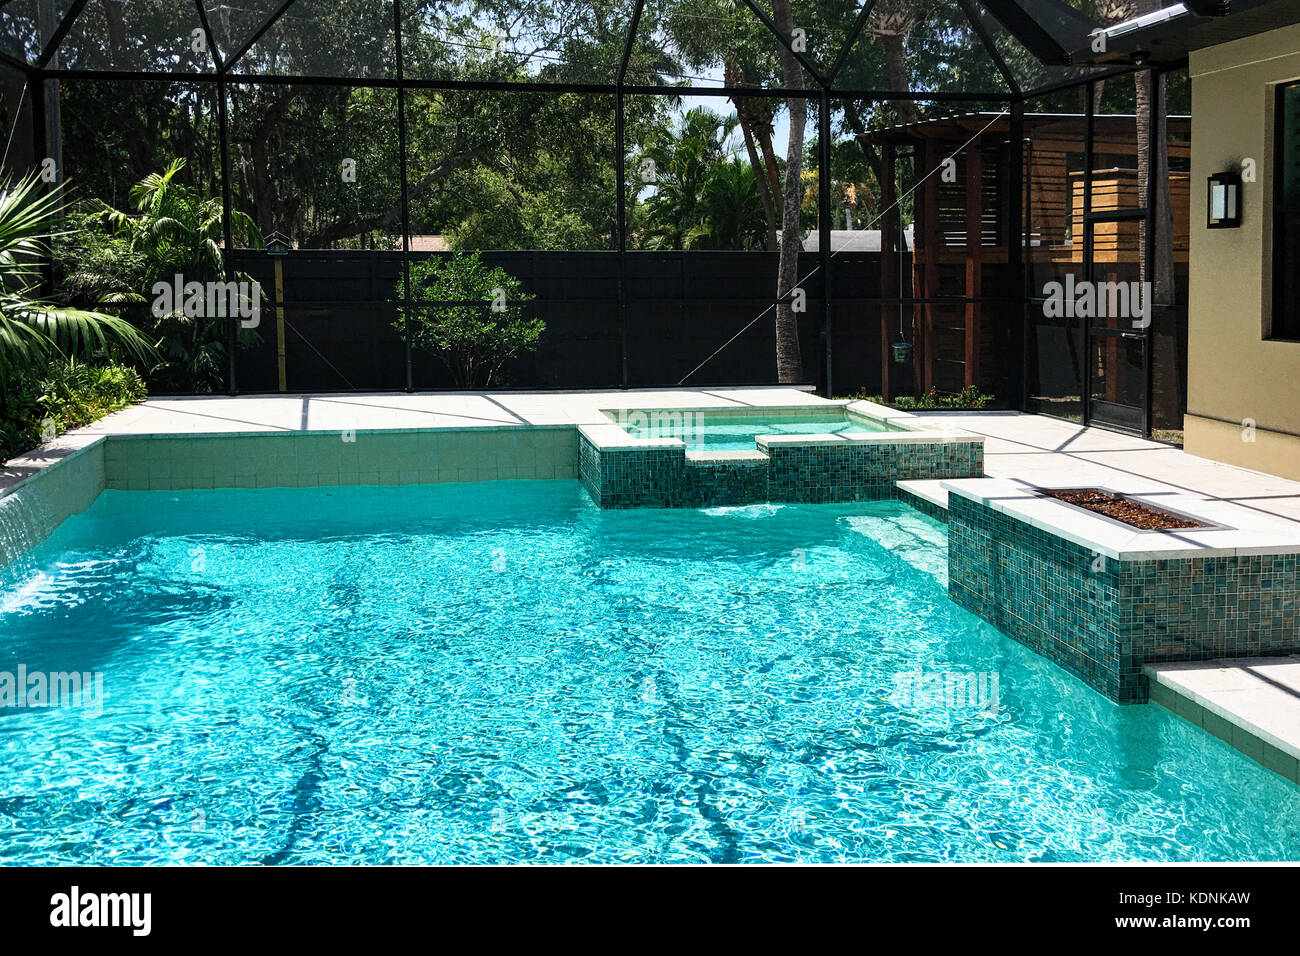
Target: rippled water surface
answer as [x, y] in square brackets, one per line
[503, 672]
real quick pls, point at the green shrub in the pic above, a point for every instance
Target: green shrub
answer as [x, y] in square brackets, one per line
[63, 395]
[21, 414]
[478, 324]
[75, 394]
[968, 399]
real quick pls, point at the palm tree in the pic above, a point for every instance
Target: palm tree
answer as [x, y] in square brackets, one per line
[789, 361]
[683, 161]
[33, 329]
[172, 228]
[732, 212]
[120, 255]
[890, 23]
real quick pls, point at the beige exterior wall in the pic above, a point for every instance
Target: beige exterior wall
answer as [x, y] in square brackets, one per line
[1233, 372]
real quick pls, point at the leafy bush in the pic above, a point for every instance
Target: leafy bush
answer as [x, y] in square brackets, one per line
[65, 394]
[34, 330]
[114, 258]
[475, 321]
[21, 415]
[75, 394]
[969, 399]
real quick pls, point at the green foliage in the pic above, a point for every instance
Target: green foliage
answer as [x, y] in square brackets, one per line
[45, 401]
[116, 257]
[74, 394]
[488, 169]
[32, 329]
[475, 319]
[968, 399]
[531, 188]
[731, 214]
[21, 414]
[701, 198]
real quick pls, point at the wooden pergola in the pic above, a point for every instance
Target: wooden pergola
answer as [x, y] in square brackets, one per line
[962, 294]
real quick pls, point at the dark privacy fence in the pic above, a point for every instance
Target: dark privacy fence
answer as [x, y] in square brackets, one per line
[340, 313]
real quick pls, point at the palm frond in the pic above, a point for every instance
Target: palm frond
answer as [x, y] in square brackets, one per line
[33, 328]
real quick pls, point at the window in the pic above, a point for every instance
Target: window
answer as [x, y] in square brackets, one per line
[1286, 215]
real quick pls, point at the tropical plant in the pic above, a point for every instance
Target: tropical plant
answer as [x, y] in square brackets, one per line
[33, 329]
[74, 393]
[701, 198]
[471, 317]
[41, 402]
[118, 257]
[731, 211]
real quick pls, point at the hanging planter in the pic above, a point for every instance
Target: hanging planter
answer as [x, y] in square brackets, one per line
[902, 352]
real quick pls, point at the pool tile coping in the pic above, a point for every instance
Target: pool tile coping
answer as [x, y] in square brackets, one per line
[1243, 533]
[1250, 703]
[947, 436]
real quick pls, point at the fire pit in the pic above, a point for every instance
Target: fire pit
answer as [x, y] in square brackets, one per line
[1126, 510]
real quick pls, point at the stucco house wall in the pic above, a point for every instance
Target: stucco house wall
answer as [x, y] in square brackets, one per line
[1236, 376]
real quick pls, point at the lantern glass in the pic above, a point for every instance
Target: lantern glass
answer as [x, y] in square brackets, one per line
[1223, 209]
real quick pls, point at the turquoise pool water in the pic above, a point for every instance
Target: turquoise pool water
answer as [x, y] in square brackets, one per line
[708, 435]
[503, 672]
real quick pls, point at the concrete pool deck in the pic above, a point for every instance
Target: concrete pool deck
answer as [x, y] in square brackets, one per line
[1026, 449]
[387, 411]
[1036, 450]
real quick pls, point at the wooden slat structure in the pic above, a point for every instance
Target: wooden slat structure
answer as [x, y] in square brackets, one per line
[961, 228]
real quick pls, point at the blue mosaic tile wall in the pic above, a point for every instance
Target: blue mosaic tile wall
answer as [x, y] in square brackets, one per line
[937, 512]
[1103, 619]
[865, 471]
[715, 484]
[631, 478]
[664, 478]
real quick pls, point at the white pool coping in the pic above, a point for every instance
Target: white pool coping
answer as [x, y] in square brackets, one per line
[612, 438]
[935, 436]
[754, 457]
[927, 489]
[608, 434]
[1245, 531]
[1259, 696]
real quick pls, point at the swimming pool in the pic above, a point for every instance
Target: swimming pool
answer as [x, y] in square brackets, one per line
[718, 432]
[504, 672]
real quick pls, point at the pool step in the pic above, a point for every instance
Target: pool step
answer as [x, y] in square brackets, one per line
[1253, 704]
[909, 537]
[927, 495]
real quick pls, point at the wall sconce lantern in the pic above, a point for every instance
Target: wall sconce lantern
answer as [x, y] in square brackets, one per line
[1223, 205]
